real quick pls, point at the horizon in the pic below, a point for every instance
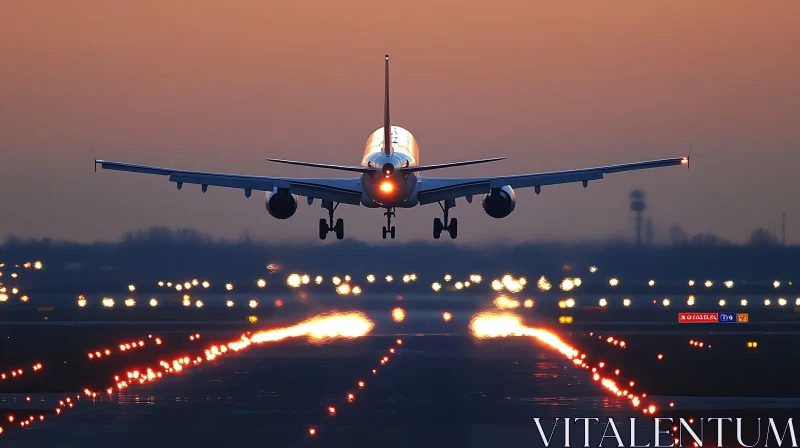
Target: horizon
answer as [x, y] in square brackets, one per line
[760, 237]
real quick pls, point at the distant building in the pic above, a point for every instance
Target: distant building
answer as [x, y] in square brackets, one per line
[638, 206]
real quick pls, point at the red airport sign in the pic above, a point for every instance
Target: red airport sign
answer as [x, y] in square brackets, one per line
[698, 318]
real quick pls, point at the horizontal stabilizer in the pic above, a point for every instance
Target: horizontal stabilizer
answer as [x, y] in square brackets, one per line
[357, 169]
[449, 165]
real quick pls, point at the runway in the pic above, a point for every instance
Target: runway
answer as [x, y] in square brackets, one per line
[303, 368]
[437, 390]
[441, 387]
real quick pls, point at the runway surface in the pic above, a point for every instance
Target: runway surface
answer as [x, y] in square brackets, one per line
[394, 368]
[441, 387]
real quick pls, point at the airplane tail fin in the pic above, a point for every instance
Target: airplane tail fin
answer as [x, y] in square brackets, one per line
[387, 123]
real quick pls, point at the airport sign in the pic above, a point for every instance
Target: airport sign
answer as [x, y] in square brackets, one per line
[698, 318]
[705, 318]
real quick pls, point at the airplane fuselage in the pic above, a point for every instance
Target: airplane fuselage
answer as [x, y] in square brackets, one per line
[390, 187]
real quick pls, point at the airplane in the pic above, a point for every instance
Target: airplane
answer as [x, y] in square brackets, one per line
[388, 177]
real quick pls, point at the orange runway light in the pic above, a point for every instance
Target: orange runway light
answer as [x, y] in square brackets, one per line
[312, 431]
[360, 384]
[331, 410]
[398, 314]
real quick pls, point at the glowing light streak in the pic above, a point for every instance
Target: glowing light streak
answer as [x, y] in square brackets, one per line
[504, 324]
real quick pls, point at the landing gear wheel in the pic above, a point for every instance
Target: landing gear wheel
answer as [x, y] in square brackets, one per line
[446, 224]
[339, 228]
[388, 229]
[323, 228]
[437, 228]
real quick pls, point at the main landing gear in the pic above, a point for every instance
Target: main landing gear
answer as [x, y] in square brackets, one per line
[451, 227]
[326, 226]
[388, 229]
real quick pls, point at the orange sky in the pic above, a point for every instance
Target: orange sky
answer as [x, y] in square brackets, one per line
[551, 85]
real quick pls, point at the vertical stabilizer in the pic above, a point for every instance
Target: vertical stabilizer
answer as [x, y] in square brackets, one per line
[387, 123]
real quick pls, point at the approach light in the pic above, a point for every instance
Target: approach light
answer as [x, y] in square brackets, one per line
[387, 187]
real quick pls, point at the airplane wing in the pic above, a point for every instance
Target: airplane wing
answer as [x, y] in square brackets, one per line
[439, 189]
[347, 191]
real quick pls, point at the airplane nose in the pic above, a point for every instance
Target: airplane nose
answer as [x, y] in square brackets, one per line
[388, 169]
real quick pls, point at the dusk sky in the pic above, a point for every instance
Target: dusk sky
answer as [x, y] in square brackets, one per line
[218, 86]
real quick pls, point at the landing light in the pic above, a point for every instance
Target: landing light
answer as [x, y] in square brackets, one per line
[387, 187]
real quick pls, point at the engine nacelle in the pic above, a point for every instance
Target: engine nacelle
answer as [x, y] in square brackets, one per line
[499, 203]
[281, 204]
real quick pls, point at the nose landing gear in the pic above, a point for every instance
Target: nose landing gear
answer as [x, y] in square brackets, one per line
[451, 227]
[388, 229]
[326, 226]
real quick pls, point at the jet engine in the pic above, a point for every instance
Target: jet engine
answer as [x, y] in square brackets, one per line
[281, 204]
[499, 202]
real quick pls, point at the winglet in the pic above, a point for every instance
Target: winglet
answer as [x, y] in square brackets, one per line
[387, 124]
[91, 149]
[689, 157]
